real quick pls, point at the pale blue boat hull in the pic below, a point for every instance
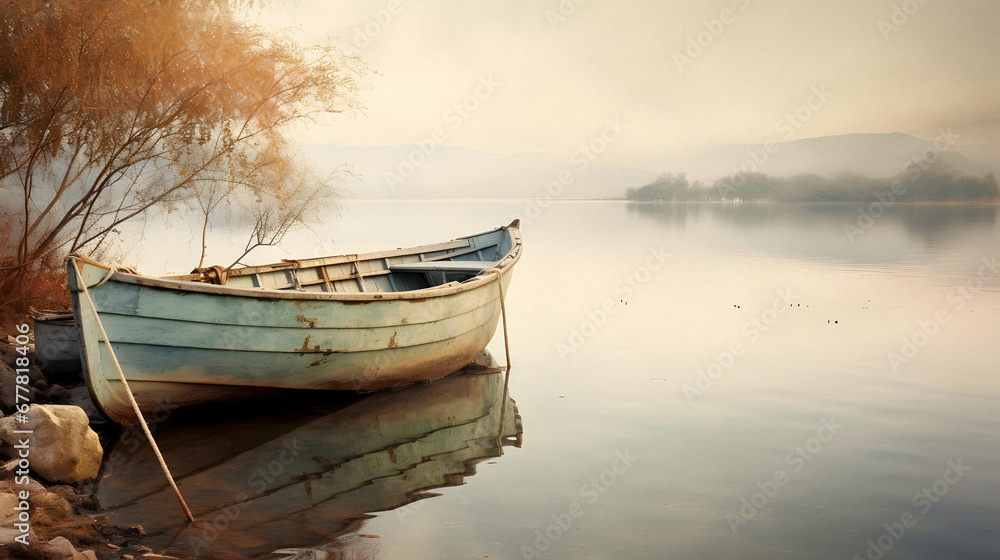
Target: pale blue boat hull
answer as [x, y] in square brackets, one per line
[181, 342]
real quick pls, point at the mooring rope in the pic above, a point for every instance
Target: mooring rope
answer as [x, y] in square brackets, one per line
[128, 391]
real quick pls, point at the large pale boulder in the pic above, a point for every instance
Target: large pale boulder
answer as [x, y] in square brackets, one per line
[61, 447]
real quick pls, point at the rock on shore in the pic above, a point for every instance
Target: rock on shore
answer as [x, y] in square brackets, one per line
[62, 448]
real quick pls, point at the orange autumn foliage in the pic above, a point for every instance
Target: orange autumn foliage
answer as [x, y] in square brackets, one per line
[110, 108]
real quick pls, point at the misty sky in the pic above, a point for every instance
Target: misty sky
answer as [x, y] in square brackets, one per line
[673, 76]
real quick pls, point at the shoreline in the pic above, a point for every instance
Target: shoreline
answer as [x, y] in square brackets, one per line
[44, 519]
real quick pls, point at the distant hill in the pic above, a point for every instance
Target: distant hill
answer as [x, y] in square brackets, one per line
[876, 155]
[409, 171]
[979, 141]
[976, 133]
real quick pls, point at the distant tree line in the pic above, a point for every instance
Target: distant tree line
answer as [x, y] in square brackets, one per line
[937, 181]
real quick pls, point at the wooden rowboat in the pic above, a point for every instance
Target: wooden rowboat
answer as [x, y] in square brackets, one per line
[350, 322]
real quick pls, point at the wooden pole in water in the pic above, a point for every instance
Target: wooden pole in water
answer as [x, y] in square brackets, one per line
[128, 391]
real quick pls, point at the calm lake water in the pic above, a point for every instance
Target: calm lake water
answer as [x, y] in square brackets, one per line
[693, 382]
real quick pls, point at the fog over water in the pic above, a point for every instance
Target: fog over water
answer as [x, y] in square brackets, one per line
[716, 381]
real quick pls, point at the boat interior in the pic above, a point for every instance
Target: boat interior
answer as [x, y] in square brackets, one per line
[398, 270]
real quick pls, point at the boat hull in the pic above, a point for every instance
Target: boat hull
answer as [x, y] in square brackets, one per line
[182, 343]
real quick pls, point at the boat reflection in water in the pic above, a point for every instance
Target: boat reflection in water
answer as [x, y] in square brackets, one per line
[301, 475]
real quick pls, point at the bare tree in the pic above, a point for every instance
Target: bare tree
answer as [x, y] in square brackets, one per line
[273, 216]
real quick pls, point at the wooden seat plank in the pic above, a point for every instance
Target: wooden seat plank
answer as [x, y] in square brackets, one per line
[443, 266]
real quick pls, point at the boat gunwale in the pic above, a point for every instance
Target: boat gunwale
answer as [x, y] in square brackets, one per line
[482, 278]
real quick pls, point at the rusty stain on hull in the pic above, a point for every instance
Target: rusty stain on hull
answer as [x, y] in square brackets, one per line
[317, 350]
[309, 322]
